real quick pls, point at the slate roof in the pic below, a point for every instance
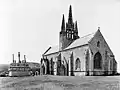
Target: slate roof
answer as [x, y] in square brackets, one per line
[79, 42]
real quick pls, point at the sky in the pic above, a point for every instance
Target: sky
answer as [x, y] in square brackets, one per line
[32, 26]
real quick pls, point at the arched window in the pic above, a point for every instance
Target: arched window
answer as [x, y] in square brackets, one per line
[72, 36]
[78, 64]
[67, 34]
[98, 44]
[97, 61]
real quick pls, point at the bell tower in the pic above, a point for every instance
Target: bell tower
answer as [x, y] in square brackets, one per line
[68, 33]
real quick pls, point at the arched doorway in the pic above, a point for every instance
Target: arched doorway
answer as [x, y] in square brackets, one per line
[77, 64]
[97, 61]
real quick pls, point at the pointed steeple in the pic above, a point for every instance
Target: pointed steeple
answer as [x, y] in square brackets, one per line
[70, 21]
[63, 24]
[76, 31]
[76, 28]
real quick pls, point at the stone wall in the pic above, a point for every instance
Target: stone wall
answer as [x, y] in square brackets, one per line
[86, 55]
[78, 52]
[68, 59]
[103, 48]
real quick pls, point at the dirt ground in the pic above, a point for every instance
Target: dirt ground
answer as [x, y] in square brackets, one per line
[48, 82]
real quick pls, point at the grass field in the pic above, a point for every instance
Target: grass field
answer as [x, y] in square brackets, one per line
[60, 83]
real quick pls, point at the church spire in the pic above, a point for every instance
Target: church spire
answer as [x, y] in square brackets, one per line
[63, 24]
[76, 31]
[76, 28]
[70, 21]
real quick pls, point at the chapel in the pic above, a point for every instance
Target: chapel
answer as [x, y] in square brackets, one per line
[76, 55]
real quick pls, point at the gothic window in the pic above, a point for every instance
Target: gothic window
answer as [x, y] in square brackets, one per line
[98, 44]
[72, 36]
[67, 35]
[97, 61]
[77, 63]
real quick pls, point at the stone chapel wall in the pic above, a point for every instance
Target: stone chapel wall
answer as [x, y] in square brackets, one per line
[78, 52]
[98, 44]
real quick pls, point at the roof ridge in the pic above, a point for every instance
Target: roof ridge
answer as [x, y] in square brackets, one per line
[88, 35]
[78, 42]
